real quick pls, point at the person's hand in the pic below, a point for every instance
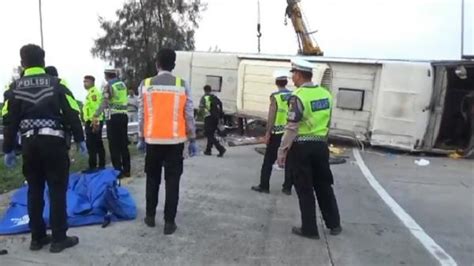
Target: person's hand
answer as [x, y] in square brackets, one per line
[141, 145]
[95, 125]
[281, 158]
[267, 138]
[9, 159]
[81, 146]
[193, 148]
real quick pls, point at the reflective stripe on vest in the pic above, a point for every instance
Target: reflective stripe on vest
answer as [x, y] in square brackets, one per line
[207, 107]
[5, 108]
[64, 83]
[164, 108]
[119, 101]
[317, 103]
[281, 118]
[5, 104]
[73, 103]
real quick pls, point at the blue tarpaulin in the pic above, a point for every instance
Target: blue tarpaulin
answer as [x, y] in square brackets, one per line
[90, 197]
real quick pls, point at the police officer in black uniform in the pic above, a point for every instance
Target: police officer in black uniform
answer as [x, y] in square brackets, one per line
[40, 109]
[305, 142]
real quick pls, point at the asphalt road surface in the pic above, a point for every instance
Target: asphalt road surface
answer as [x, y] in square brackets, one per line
[393, 212]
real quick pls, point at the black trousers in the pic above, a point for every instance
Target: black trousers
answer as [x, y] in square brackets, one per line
[95, 146]
[171, 158]
[271, 154]
[46, 160]
[210, 127]
[117, 127]
[309, 166]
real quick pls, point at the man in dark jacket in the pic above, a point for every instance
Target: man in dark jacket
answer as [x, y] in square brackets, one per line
[211, 106]
[40, 110]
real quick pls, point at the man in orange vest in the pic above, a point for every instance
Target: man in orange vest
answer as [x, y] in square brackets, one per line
[166, 119]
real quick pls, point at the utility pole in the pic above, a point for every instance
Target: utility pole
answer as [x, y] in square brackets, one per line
[41, 23]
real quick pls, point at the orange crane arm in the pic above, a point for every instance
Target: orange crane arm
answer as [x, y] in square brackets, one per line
[305, 43]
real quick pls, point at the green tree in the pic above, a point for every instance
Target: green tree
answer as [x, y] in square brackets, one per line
[141, 29]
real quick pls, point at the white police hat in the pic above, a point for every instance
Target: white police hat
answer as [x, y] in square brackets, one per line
[298, 64]
[111, 71]
[281, 74]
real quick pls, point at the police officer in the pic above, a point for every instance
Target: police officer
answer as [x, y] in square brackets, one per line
[211, 106]
[277, 118]
[166, 119]
[305, 145]
[95, 146]
[114, 104]
[7, 95]
[53, 71]
[39, 109]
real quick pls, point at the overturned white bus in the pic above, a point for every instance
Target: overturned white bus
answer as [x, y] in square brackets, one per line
[409, 105]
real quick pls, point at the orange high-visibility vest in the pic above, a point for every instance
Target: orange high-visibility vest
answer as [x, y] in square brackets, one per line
[164, 112]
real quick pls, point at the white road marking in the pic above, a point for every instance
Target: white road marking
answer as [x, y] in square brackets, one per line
[430, 245]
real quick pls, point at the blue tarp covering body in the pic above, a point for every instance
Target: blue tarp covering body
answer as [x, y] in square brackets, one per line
[89, 198]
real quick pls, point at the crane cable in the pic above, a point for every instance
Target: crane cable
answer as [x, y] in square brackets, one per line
[259, 33]
[308, 32]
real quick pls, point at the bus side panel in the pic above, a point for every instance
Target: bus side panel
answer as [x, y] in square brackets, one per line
[217, 70]
[256, 84]
[353, 87]
[402, 114]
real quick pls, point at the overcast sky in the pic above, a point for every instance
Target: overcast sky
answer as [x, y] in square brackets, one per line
[402, 29]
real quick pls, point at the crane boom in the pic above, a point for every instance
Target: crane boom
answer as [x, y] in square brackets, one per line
[306, 44]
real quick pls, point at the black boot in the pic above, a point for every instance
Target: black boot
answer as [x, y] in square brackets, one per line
[38, 244]
[170, 228]
[70, 241]
[297, 231]
[260, 189]
[221, 152]
[335, 231]
[150, 221]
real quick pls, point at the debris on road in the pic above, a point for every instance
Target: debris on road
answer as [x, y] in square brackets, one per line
[455, 155]
[335, 150]
[336, 155]
[242, 141]
[337, 160]
[422, 162]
